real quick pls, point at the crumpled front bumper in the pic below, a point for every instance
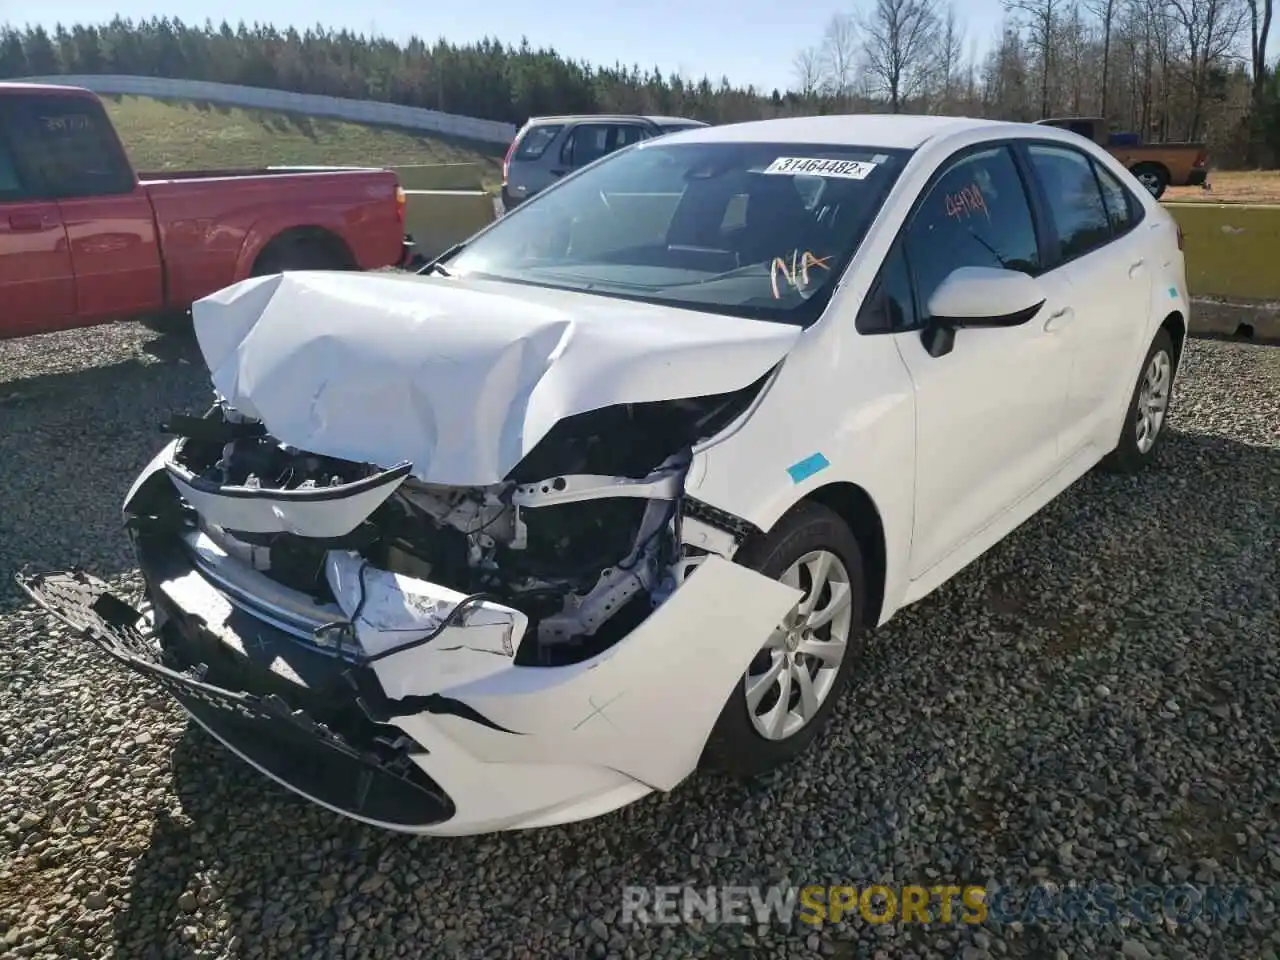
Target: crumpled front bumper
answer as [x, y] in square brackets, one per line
[506, 748]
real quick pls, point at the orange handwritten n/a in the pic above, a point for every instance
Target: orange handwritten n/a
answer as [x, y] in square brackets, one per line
[797, 271]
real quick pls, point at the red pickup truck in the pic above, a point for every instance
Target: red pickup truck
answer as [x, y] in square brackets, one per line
[84, 239]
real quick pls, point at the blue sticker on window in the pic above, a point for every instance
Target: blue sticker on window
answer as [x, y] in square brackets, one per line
[807, 467]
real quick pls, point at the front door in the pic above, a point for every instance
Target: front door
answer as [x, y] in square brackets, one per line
[37, 285]
[68, 143]
[988, 412]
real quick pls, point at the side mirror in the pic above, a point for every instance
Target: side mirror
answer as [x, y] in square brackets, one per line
[979, 297]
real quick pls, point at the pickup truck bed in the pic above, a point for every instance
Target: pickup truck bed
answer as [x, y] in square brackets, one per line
[84, 239]
[1156, 166]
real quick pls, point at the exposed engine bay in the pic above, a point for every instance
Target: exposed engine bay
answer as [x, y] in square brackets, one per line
[584, 537]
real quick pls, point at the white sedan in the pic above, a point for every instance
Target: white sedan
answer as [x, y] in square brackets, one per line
[613, 490]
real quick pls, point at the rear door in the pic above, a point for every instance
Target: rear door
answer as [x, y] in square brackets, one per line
[1102, 256]
[68, 144]
[37, 286]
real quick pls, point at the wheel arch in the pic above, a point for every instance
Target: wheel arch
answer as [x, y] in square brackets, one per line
[322, 237]
[1176, 326]
[854, 505]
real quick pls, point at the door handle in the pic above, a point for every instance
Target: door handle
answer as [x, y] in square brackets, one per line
[27, 222]
[1059, 319]
[1134, 267]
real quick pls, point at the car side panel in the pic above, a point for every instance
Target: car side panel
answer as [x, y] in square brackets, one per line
[212, 229]
[37, 285]
[115, 255]
[841, 410]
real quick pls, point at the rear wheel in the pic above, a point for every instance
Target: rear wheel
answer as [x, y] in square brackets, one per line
[790, 688]
[1153, 177]
[303, 252]
[1148, 411]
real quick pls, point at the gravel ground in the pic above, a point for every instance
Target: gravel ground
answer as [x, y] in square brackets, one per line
[1098, 699]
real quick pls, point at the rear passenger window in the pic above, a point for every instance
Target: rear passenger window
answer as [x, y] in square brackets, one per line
[975, 215]
[589, 142]
[1075, 201]
[1122, 209]
[11, 187]
[535, 141]
[66, 147]
[626, 134]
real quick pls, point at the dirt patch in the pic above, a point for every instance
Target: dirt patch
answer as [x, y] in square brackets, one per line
[1231, 186]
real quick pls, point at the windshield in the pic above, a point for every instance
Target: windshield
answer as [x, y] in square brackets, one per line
[754, 229]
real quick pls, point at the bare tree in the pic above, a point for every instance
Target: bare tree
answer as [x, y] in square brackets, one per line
[839, 56]
[1043, 16]
[1105, 11]
[1210, 32]
[1260, 12]
[1074, 44]
[899, 43]
[950, 56]
[807, 66]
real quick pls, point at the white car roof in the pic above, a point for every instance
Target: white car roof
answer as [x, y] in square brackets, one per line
[891, 131]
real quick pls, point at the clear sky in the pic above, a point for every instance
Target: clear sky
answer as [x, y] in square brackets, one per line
[750, 41]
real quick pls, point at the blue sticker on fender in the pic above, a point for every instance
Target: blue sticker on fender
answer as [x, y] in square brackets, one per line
[807, 467]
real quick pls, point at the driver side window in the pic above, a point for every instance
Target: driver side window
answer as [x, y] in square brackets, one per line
[975, 215]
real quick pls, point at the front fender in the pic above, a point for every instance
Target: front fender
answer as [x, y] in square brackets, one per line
[645, 706]
[156, 466]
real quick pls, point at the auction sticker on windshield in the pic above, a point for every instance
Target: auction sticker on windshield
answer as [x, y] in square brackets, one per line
[817, 167]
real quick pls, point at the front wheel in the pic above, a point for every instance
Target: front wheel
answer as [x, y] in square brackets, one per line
[1148, 410]
[792, 685]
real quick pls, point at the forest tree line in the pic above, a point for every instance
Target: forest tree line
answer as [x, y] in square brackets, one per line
[1168, 69]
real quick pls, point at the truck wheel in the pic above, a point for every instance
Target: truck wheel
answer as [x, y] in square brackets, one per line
[303, 253]
[1152, 176]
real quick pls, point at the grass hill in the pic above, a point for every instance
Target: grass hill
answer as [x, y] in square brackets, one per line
[174, 135]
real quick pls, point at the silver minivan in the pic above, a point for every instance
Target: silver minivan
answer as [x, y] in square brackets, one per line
[546, 148]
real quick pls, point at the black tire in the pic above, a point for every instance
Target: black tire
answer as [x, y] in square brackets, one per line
[302, 253]
[1153, 177]
[734, 746]
[1128, 456]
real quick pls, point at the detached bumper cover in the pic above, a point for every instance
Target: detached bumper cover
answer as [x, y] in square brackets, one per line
[286, 743]
[507, 748]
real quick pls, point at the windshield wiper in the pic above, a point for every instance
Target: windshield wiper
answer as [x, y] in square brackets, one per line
[434, 265]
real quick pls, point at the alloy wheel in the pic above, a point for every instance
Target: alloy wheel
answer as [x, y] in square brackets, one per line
[795, 672]
[1153, 401]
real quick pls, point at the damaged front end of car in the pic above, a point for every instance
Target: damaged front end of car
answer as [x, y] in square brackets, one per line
[382, 644]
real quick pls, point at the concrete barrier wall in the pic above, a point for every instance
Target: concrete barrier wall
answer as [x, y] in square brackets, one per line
[437, 219]
[1232, 249]
[261, 98]
[440, 176]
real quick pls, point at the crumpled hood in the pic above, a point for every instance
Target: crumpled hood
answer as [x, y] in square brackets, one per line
[461, 378]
